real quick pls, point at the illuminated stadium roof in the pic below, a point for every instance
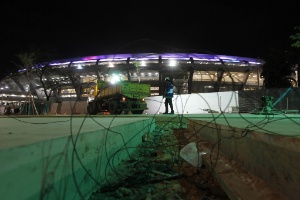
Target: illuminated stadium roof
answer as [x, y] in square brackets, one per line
[164, 56]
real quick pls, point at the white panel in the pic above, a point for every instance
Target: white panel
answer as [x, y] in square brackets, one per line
[195, 103]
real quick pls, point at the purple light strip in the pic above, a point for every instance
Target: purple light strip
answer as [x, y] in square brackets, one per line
[164, 56]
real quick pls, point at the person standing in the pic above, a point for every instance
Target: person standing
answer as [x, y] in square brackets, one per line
[168, 95]
[7, 110]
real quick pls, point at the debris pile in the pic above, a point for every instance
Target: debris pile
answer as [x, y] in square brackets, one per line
[157, 171]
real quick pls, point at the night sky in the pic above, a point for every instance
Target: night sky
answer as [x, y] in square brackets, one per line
[76, 29]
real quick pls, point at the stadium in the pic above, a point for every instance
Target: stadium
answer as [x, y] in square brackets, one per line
[191, 73]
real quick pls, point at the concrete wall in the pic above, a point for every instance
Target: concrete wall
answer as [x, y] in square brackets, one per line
[183, 104]
[274, 158]
[195, 103]
[68, 107]
[68, 167]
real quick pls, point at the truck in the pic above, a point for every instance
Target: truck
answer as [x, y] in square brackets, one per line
[121, 97]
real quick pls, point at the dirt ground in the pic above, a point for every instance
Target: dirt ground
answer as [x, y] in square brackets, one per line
[156, 171]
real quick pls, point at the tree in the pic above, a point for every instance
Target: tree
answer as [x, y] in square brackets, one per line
[280, 65]
[49, 85]
[277, 70]
[296, 57]
[27, 61]
[75, 81]
[296, 37]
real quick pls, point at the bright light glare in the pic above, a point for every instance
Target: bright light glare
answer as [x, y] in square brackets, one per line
[111, 64]
[172, 63]
[143, 63]
[115, 78]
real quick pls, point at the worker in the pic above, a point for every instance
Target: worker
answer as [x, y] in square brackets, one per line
[7, 109]
[168, 94]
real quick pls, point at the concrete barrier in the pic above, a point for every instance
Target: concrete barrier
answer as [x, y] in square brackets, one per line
[61, 163]
[274, 158]
[68, 107]
[200, 103]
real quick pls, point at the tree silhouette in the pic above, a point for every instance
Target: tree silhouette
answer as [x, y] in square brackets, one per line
[296, 47]
[277, 70]
[27, 61]
[280, 65]
[296, 37]
[50, 79]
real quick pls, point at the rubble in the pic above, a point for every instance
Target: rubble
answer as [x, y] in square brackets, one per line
[157, 171]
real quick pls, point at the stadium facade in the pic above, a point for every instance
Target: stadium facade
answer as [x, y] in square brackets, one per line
[191, 72]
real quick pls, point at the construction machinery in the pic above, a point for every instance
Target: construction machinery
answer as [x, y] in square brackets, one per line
[267, 106]
[122, 97]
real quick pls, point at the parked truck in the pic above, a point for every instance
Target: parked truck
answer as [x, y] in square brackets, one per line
[121, 97]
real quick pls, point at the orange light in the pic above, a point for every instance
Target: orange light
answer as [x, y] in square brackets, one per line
[124, 99]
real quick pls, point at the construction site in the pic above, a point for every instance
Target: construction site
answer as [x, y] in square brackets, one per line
[205, 156]
[120, 142]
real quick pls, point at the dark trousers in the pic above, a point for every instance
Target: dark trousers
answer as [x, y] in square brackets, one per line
[168, 102]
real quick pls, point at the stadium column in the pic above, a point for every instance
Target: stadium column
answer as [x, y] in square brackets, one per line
[191, 73]
[127, 71]
[217, 84]
[246, 76]
[96, 70]
[160, 78]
